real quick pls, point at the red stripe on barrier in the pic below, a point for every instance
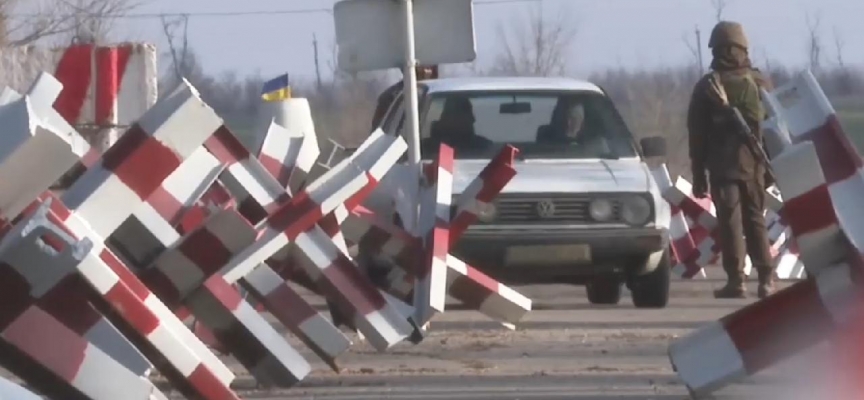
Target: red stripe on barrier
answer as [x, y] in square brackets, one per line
[343, 276]
[140, 161]
[837, 154]
[74, 71]
[166, 205]
[48, 342]
[766, 331]
[69, 304]
[106, 85]
[226, 148]
[280, 171]
[816, 205]
[14, 295]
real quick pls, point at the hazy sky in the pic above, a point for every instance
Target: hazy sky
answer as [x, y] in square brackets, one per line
[629, 33]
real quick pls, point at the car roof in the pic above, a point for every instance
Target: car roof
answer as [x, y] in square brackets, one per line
[508, 83]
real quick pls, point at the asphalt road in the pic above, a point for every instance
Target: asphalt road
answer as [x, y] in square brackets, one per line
[565, 349]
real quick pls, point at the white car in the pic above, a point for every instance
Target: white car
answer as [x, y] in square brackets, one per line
[583, 207]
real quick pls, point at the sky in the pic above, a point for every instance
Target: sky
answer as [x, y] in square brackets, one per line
[610, 33]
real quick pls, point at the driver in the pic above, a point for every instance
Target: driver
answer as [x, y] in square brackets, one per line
[567, 124]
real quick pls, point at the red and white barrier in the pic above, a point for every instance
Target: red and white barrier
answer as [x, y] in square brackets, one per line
[32, 133]
[809, 312]
[693, 261]
[464, 282]
[431, 278]
[702, 224]
[681, 244]
[323, 260]
[764, 333]
[105, 88]
[825, 182]
[37, 346]
[165, 197]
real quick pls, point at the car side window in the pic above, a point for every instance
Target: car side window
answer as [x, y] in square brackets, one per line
[401, 116]
[433, 114]
[393, 120]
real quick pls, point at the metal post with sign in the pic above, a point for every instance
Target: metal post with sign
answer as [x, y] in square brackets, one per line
[383, 34]
[410, 80]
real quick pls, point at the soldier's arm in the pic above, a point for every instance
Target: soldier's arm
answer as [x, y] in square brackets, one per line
[698, 118]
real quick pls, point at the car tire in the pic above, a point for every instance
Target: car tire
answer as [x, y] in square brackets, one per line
[604, 290]
[651, 290]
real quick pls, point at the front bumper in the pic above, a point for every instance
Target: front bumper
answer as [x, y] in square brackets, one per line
[610, 248]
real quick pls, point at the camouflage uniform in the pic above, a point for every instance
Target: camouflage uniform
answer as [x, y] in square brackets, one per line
[736, 175]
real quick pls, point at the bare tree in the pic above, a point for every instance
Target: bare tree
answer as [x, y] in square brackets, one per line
[695, 48]
[27, 21]
[94, 19]
[814, 41]
[539, 46]
[839, 45]
[719, 7]
[178, 47]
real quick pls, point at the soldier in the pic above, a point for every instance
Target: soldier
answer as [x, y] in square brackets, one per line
[387, 97]
[721, 156]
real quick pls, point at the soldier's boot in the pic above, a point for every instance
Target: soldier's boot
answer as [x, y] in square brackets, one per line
[734, 289]
[766, 285]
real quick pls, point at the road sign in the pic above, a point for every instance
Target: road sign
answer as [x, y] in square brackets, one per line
[370, 34]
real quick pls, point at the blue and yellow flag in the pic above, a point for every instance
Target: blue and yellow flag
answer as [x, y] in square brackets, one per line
[276, 89]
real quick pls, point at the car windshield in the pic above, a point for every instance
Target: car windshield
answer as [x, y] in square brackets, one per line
[543, 125]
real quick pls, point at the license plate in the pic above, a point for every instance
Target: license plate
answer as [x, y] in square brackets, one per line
[571, 253]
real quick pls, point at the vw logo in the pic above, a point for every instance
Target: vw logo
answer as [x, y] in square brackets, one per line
[546, 209]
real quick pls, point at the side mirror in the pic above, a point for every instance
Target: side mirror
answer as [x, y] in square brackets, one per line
[654, 146]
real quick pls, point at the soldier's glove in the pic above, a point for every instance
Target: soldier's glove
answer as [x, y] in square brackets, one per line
[700, 187]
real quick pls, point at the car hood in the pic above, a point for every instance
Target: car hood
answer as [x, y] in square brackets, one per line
[626, 175]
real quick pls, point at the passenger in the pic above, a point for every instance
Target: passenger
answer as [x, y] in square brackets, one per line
[455, 127]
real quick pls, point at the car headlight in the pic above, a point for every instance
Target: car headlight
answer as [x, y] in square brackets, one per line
[486, 212]
[635, 210]
[601, 210]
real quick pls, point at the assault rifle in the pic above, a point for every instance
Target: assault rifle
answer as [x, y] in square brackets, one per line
[742, 128]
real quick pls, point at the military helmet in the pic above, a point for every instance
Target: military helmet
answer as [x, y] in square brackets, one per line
[728, 33]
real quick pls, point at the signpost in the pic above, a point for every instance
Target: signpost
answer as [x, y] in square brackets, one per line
[382, 34]
[409, 74]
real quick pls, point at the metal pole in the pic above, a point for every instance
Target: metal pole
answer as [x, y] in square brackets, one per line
[412, 131]
[699, 48]
[410, 90]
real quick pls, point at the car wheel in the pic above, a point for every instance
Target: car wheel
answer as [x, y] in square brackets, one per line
[604, 290]
[651, 290]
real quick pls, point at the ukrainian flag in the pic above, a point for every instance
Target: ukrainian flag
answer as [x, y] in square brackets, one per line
[276, 89]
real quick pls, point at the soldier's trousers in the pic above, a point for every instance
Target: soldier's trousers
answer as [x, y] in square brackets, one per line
[740, 213]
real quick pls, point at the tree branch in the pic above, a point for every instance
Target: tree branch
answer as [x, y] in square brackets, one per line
[67, 20]
[814, 43]
[839, 45]
[719, 6]
[537, 47]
